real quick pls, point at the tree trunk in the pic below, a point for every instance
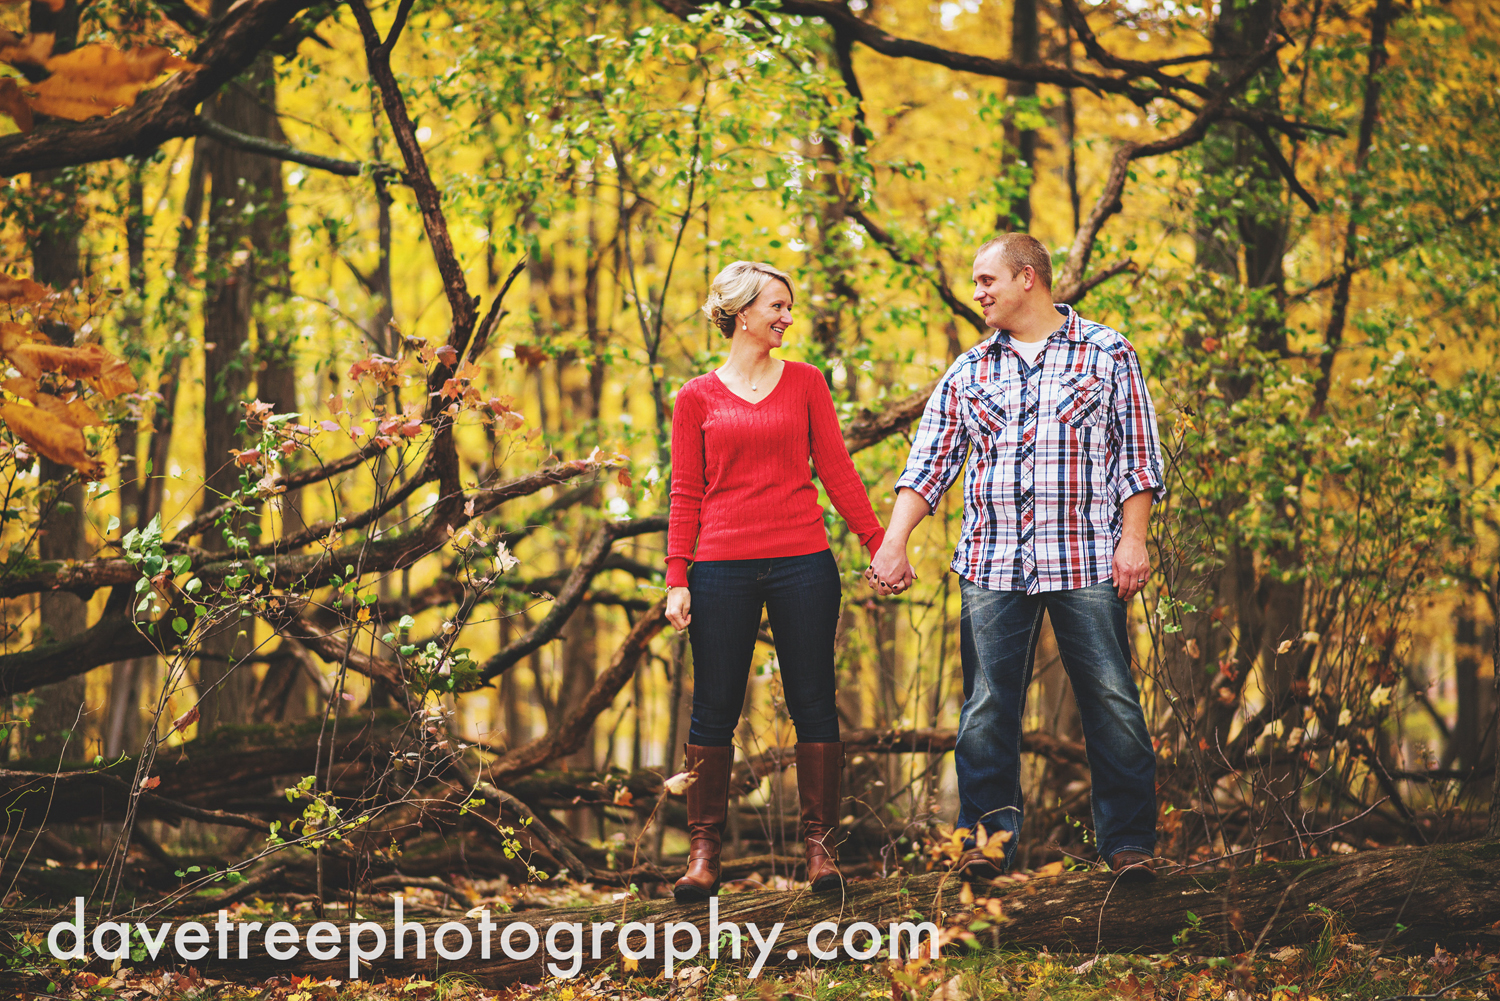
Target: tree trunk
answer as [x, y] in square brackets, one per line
[1025, 47]
[54, 238]
[246, 222]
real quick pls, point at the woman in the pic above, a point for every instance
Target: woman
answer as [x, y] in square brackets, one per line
[746, 514]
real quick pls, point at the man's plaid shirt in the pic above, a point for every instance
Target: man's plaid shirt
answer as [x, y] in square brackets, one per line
[1054, 451]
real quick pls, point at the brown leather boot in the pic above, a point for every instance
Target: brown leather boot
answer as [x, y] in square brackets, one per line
[707, 809]
[820, 771]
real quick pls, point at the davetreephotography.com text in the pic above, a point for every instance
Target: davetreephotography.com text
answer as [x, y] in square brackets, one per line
[566, 944]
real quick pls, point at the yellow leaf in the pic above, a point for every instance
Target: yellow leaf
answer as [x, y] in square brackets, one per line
[363, 615]
[62, 443]
[95, 80]
[1052, 869]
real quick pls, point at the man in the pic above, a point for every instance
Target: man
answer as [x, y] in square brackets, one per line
[1053, 415]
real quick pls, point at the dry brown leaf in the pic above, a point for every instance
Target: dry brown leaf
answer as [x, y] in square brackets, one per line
[13, 335]
[95, 80]
[62, 443]
[90, 361]
[187, 719]
[13, 104]
[74, 412]
[19, 291]
[30, 50]
[23, 387]
[114, 377]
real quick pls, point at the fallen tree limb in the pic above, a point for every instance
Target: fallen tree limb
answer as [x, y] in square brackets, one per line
[583, 788]
[231, 763]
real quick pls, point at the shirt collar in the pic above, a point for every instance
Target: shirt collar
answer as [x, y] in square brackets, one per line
[1071, 328]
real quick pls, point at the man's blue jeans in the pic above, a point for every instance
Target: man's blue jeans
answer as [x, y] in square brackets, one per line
[998, 637]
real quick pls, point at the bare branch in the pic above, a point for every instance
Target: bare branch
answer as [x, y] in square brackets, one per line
[568, 736]
[570, 595]
[1070, 283]
[937, 275]
[872, 428]
[281, 151]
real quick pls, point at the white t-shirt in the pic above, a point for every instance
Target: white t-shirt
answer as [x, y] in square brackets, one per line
[1029, 350]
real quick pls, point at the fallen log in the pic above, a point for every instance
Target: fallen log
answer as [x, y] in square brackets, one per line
[230, 763]
[1403, 899]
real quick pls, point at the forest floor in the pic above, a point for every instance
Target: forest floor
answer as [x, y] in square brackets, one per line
[1332, 968]
[1328, 971]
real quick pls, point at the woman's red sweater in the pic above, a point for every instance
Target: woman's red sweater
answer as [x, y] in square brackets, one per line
[741, 487]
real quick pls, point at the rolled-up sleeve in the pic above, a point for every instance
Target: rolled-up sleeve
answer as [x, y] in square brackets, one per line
[941, 444]
[1139, 446]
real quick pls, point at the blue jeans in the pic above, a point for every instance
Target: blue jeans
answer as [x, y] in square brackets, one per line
[998, 637]
[801, 597]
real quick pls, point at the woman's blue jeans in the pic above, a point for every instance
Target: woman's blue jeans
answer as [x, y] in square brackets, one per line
[801, 597]
[998, 635]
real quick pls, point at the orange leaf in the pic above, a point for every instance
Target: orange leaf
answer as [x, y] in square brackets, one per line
[62, 443]
[530, 354]
[108, 374]
[114, 377]
[33, 50]
[13, 105]
[97, 79]
[151, 783]
[18, 291]
[23, 387]
[74, 412]
[187, 719]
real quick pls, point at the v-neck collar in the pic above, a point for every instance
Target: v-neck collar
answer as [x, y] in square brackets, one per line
[751, 403]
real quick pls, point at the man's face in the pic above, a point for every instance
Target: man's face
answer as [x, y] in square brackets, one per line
[999, 293]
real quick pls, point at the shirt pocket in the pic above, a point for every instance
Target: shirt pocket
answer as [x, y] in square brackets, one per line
[1082, 400]
[986, 409]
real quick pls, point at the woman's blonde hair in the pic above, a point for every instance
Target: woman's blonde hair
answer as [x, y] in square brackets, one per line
[735, 288]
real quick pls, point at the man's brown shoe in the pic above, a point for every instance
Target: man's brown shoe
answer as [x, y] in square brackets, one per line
[974, 865]
[1131, 866]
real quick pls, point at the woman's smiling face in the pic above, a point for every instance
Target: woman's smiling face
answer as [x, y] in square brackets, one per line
[767, 318]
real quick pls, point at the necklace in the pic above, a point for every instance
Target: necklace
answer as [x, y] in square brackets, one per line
[753, 387]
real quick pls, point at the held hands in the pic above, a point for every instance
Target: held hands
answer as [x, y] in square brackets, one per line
[679, 607]
[1132, 567]
[890, 572]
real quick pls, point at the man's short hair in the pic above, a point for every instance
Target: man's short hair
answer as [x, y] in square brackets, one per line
[1018, 250]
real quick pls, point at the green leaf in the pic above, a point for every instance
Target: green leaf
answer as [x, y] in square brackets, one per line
[179, 625]
[182, 563]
